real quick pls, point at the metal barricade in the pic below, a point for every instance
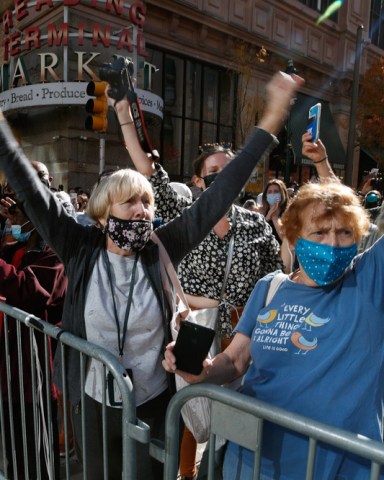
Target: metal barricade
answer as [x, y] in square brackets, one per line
[234, 416]
[133, 430]
[240, 418]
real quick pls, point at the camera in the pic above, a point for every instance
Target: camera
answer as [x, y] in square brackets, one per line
[377, 182]
[118, 75]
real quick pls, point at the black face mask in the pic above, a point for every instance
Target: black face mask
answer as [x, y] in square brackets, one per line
[209, 179]
[129, 234]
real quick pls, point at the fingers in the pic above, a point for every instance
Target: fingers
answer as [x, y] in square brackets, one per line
[169, 365]
[169, 362]
[5, 205]
[110, 101]
[290, 83]
[306, 137]
[313, 150]
[274, 208]
[299, 80]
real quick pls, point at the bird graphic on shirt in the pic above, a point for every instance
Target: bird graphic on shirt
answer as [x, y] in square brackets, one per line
[314, 321]
[302, 343]
[267, 317]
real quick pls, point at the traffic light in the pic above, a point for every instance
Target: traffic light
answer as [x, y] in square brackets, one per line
[97, 107]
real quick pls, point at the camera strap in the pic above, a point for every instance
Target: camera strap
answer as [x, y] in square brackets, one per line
[138, 119]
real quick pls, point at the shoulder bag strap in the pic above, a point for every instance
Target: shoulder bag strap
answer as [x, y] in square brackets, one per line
[274, 286]
[168, 274]
[230, 255]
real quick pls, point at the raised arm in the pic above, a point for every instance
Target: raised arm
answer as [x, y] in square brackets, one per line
[143, 163]
[279, 93]
[316, 152]
[43, 209]
[190, 228]
[168, 203]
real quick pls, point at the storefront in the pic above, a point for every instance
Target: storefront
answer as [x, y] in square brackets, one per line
[201, 70]
[50, 51]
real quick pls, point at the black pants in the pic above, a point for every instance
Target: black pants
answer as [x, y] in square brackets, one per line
[152, 413]
[31, 444]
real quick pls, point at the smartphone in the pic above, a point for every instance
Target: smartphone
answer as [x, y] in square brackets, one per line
[192, 346]
[313, 125]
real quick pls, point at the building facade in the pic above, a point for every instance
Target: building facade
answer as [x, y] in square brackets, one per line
[201, 69]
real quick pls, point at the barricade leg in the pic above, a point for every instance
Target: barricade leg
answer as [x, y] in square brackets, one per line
[18, 453]
[148, 468]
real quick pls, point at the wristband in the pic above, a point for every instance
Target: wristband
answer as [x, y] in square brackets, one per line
[320, 161]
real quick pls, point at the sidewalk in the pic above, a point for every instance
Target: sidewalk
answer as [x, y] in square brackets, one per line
[76, 468]
[77, 471]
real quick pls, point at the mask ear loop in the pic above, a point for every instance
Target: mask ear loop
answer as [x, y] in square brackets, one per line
[291, 257]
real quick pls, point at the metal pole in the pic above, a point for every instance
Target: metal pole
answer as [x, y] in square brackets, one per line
[350, 166]
[287, 174]
[101, 153]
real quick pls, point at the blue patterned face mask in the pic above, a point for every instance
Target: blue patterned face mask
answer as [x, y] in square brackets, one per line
[323, 263]
[272, 197]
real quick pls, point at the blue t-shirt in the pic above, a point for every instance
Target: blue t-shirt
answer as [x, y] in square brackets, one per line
[318, 352]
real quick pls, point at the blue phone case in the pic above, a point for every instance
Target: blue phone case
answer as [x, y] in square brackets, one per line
[313, 126]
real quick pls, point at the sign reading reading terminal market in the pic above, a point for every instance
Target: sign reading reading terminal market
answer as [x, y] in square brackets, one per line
[48, 50]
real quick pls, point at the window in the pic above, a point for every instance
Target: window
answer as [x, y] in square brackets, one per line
[376, 24]
[320, 6]
[199, 107]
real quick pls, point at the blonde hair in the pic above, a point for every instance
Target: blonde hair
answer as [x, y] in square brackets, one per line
[120, 185]
[337, 199]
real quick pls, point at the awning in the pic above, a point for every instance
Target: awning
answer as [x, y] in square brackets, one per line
[328, 131]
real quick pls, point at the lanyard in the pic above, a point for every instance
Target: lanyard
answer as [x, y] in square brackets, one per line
[121, 341]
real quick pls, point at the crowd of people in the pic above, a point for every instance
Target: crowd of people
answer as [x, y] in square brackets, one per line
[89, 264]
